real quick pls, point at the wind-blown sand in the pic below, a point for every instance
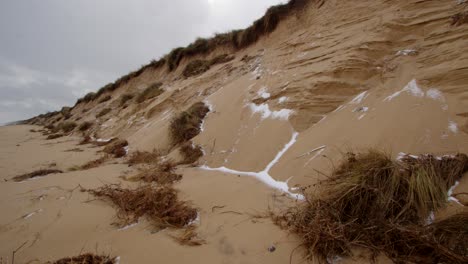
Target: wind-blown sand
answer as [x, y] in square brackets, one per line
[345, 75]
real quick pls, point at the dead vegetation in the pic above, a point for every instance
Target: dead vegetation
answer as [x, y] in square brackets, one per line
[34, 174]
[105, 99]
[124, 98]
[159, 204]
[162, 173]
[186, 125]
[85, 126]
[189, 237]
[190, 153]
[116, 148]
[373, 202]
[152, 91]
[197, 67]
[54, 136]
[91, 164]
[66, 127]
[460, 19]
[144, 157]
[87, 258]
[103, 112]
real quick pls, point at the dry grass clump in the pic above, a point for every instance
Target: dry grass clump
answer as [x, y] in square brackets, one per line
[66, 127]
[124, 98]
[190, 153]
[54, 136]
[85, 126]
[35, 174]
[373, 202]
[87, 258]
[189, 237]
[187, 124]
[152, 91]
[460, 19]
[162, 173]
[103, 112]
[159, 204]
[91, 164]
[86, 140]
[144, 157]
[197, 67]
[116, 148]
[105, 99]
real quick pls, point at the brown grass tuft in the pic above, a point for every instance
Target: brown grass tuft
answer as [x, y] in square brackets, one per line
[86, 259]
[197, 67]
[85, 126]
[141, 157]
[124, 98]
[67, 126]
[35, 174]
[152, 91]
[116, 148]
[374, 202]
[103, 112]
[186, 125]
[162, 173]
[54, 136]
[91, 164]
[189, 237]
[460, 19]
[190, 153]
[159, 204]
[105, 99]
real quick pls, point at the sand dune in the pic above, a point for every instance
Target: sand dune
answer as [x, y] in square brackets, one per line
[337, 76]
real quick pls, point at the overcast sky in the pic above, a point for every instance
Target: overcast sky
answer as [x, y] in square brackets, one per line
[54, 51]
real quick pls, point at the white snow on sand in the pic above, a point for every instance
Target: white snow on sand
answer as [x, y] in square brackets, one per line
[265, 112]
[264, 175]
[263, 93]
[31, 214]
[450, 193]
[435, 95]
[412, 88]
[406, 52]
[359, 98]
[128, 226]
[283, 99]
[453, 127]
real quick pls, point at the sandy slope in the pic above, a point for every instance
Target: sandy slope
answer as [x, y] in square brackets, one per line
[346, 75]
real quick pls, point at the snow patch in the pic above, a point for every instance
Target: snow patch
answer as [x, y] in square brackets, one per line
[265, 112]
[359, 98]
[127, 226]
[430, 219]
[435, 95]
[31, 214]
[283, 99]
[450, 193]
[362, 109]
[126, 148]
[102, 140]
[412, 88]
[263, 93]
[196, 220]
[264, 175]
[453, 127]
[407, 52]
